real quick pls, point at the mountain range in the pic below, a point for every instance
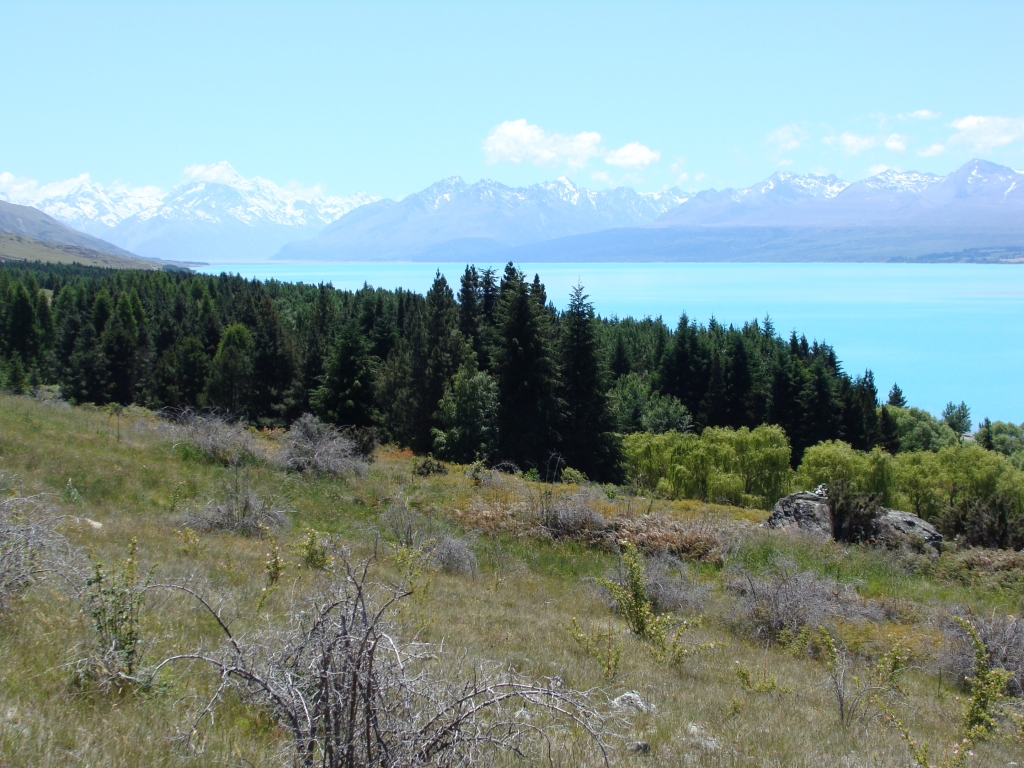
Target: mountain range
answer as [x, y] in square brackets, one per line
[975, 213]
[215, 215]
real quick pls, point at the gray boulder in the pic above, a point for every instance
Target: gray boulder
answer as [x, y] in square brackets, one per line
[808, 513]
[905, 528]
[803, 512]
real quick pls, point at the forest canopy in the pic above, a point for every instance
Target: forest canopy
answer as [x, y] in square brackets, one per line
[487, 369]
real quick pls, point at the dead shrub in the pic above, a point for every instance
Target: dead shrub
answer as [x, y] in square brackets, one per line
[673, 587]
[29, 545]
[310, 445]
[242, 511]
[453, 555]
[569, 516]
[347, 692]
[784, 602]
[1003, 637]
[211, 436]
[688, 540]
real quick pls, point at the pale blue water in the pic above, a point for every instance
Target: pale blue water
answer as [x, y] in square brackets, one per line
[943, 331]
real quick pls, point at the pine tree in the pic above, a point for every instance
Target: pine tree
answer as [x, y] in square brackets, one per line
[896, 398]
[684, 370]
[345, 392]
[231, 371]
[588, 443]
[888, 431]
[739, 385]
[526, 375]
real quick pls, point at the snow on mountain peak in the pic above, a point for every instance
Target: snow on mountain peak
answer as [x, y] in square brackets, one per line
[209, 193]
[898, 181]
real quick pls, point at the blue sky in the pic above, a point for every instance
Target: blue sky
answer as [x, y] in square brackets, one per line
[390, 97]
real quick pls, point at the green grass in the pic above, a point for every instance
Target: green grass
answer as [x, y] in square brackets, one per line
[514, 611]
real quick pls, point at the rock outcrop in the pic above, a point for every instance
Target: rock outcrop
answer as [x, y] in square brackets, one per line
[803, 512]
[808, 513]
[906, 528]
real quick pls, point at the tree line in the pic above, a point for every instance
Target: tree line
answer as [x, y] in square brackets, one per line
[487, 369]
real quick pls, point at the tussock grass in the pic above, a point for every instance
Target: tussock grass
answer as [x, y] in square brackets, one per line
[512, 609]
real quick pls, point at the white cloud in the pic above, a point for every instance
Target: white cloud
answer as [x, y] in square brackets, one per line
[601, 176]
[218, 173]
[682, 177]
[920, 114]
[851, 143]
[632, 155]
[518, 141]
[896, 143]
[700, 177]
[784, 163]
[984, 133]
[932, 151]
[787, 137]
[874, 170]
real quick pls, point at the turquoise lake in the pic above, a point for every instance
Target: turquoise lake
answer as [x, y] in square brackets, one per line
[942, 331]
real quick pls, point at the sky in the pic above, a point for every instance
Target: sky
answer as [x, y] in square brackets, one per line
[387, 98]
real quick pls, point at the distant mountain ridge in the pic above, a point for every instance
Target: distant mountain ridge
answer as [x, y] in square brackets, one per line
[216, 214]
[454, 219]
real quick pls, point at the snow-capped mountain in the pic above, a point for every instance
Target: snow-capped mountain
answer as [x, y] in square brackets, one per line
[454, 219]
[215, 214]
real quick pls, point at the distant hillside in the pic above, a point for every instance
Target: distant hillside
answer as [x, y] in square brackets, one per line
[32, 223]
[20, 248]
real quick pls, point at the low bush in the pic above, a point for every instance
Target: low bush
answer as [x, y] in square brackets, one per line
[996, 522]
[1003, 637]
[28, 544]
[310, 445]
[780, 605]
[453, 555]
[242, 511]
[209, 436]
[855, 516]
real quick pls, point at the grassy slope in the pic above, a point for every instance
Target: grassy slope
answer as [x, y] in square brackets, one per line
[513, 610]
[20, 248]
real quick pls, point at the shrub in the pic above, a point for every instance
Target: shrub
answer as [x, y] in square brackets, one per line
[211, 437]
[310, 445]
[453, 555]
[1003, 637]
[672, 586]
[428, 466]
[573, 476]
[980, 712]
[569, 516]
[781, 604]
[997, 522]
[854, 515]
[346, 692]
[243, 511]
[114, 600]
[27, 540]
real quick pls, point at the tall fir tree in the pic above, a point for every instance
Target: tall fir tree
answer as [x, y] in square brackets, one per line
[588, 443]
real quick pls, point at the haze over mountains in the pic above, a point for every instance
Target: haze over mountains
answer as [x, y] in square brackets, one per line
[974, 213]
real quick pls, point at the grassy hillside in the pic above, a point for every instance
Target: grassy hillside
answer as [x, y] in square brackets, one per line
[20, 248]
[737, 700]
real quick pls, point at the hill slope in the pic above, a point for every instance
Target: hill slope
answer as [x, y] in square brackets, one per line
[30, 222]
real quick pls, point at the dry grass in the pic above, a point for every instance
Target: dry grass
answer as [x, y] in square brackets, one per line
[513, 612]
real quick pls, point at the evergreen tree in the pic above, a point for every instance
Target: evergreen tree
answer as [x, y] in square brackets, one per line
[683, 371]
[896, 398]
[180, 374]
[588, 443]
[22, 331]
[888, 431]
[231, 372]
[739, 385]
[526, 375]
[466, 416]
[345, 394]
[121, 348]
